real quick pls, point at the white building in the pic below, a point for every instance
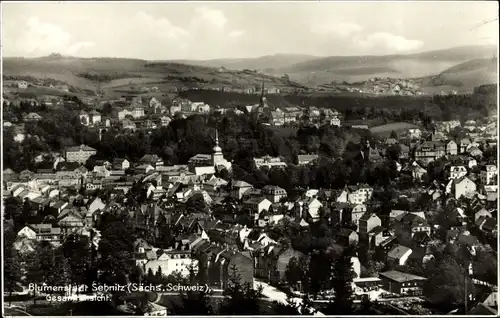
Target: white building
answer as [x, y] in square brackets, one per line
[489, 175]
[268, 161]
[457, 172]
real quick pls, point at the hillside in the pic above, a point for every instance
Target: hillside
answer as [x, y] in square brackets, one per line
[117, 75]
[268, 62]
[465, 76]
[361, 68]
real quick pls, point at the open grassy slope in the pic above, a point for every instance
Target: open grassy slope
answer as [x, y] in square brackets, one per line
[124, 74]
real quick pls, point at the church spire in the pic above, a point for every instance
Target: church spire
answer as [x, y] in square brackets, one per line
[262, 97]
[216, 137]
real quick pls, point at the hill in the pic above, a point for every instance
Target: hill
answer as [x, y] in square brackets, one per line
[268, 62]
[361, 68]
[464, 76]
[117, 75]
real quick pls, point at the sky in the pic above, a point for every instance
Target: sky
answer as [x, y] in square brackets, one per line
[210, 30]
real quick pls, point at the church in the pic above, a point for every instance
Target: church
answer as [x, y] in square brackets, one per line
[201, 164]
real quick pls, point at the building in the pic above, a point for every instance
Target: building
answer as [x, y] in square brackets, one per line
[79, 153]
[270, 162]
[32, 117]
[215, 160]
[120, 164]
[153, 160]
[359, 194]
[451, 148]
[306, 159]
[461, 187]
[257, 205]
[399, 255]
[94, 117]
[84, 118]
[40, 232]
[414, 133]
[429, 151]
[172, 262]
[456, 172]
[274, 193]
[165, 121]
[402, 283]
[335, 121]
[22, 84]
[489, 175]
[408, 224]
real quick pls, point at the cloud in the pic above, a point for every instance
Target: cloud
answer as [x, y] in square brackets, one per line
[388, 41]
[162, 26]
[205, 16]
[343, 29]
[41, 38]
[236, 33]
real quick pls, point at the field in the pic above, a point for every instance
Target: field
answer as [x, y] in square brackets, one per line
[112, 74]
[385, 130]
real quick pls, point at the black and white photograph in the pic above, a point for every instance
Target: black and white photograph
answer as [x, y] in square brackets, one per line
[249, 158]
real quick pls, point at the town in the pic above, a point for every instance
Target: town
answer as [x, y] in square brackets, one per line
[249, 159]
[392, 222]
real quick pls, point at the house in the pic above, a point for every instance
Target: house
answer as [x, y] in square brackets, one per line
[152, 160]
[308, 208]
[32, 117]
[408, 224]
[398, 255]
[335, 121]
[371, 233]
[274, 193]
[94, 117]
[429, 151]
[360, 194]
[415, 171]
[41, 232]
[270, 162]
[22, 84]
[257, 205]
[172, 262]
[346, 237]
[402, 283]
[456, 172]
[79, 153]
[452, 148]
[475, 151]
[120, 164]
[404, 152]
[239, 188]
[357, 212]
[461, 187]
[303, 160]
[489, 175]
[165, 121]
[414, 133]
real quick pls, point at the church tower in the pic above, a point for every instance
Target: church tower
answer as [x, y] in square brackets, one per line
[263, 100]
[217, 156]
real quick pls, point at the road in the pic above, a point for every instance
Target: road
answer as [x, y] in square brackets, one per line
[279, 296]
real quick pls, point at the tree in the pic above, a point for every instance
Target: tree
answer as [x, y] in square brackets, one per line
[343, 275]
[116, 249]
[394, 135]
[12, 263]
[77, 251]
[293, 273]
[445, 288]
[240, 299]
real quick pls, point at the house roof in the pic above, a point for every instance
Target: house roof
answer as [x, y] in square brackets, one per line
[398, 251]
[79, 148]
[400, 277]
